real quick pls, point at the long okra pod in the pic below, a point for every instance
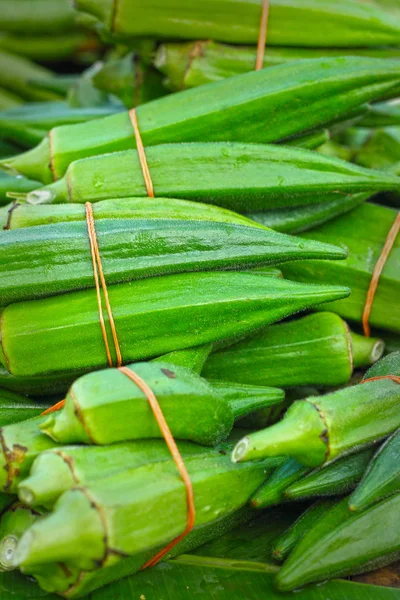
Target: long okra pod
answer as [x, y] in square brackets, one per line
[364, 244]
[242, 177]
[100, 512]
[318, 349]
[318, 430]
[314, 93]
[291, 23]
[15, 408]
[273, 490]
[153, 316]
[136, 248]
[343, 543]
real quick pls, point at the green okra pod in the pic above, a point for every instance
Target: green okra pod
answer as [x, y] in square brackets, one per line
[382, 114]
[190, 64]
[315, 93]
[16, 72]
[333, 479]
[36, 16]
[15, 408]
[295, 533]
[318, 349]
[37, 386]
[364, 243]
[343, 543]
[381, 149]
[135, 248]
[14, 521]
[8, 100]
[152, 316]
[193, 409]
[242, 177]
[273, 490]
[381, 478]
[291, 22]
[98, 514]
[21, 443]
[17, 184]
[47, 48]
[318, 430]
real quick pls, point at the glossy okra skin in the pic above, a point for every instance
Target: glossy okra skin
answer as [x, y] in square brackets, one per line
[318, 349]
[343, 543]
[21, 444]
[161, 492]
[272, 491]
[291, 22]
[241, 177]
[364, 245]
[295, 533]
[333, 479]
[190, 64]
[152, 316]
[53, 259]
[15, 408]
[318, 430]
[382, 477]
[36, 16]
[14, 521]
[38, 386]
[229, 110]
[194, 409]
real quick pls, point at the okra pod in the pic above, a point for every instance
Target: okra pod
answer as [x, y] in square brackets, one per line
[333, 479]
[21, 443]
[98, 514]
[39, 386]
[46, 48]
[364, 244]
[14, 521]
[36, 16]
[18, 184]
[193, 408]
[381, 150]
[318, 349]
[343, 543]
[15, 408]
[242, 177]
[132, 249]
[382, 477]
[291, 22]
[190, 64]
[295, 533]
[318, 430]
[315, 93]
[272, 491]
[16, 72]
[382, 114]
[8, 100]
[152, 316]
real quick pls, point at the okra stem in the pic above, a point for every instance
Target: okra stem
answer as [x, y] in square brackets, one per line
[366, 351]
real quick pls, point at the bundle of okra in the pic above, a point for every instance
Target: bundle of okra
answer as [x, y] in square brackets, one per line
[178, 181]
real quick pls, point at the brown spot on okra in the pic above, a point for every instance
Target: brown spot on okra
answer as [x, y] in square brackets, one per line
[169, 373]
[349, 346]
[69, 461]
[65, 569]
[51, 162]
[324, 436]
[10, 211]
[17, 505]
[5, 357]
[17, 454]
[196, 52]
[95, 506]
[114, 15]
[79, 415]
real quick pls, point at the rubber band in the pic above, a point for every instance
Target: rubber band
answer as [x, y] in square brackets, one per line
[176, 455]
[394, 378]
[262, 36]
[142, 154]
[53, 408]
[373, 286]
[100, 279]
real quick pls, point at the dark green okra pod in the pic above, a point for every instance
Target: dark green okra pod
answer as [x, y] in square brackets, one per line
[153, 316]
[329, 89]
[333, 479]
[318, 430]
[273, 490]
[342, 543]
[295, 533]
[15, 408]
[318, 349]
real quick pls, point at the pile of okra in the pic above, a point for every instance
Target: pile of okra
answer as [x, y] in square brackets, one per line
[199, 295]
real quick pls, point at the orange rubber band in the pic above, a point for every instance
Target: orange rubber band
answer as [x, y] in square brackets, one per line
[99, 278]
[373, 286]
[262, 37]
[53, 408]
[176, 455]
[142, 154]
[394, 378]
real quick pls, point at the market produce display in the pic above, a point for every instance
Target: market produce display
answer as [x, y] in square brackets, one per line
[199, 299]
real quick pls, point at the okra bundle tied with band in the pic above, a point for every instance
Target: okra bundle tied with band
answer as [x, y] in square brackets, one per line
[245, 108]
[291, 22]
[318, 430]
[241, 177]
[152, 316]
[157, 242]
[318, 349]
